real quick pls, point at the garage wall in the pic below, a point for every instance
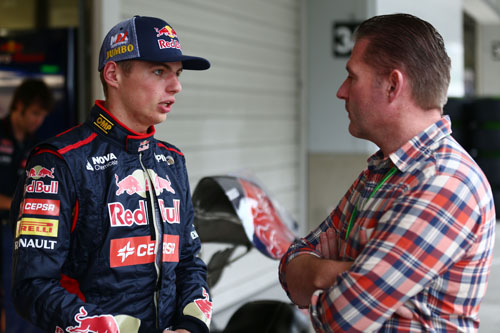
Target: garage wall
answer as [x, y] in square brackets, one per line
[242, 115]
[488, 60]
[244, 112]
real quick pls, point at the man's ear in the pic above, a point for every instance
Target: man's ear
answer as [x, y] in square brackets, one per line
[111, 74]
[395, 86]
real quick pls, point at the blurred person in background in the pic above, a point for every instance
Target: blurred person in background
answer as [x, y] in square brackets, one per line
[31, 103]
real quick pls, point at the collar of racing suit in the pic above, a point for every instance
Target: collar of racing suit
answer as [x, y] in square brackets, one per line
[108, 125]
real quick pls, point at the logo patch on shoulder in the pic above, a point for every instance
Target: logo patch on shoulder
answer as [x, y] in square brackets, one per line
[41, 207]
[104, 124]
[39, 171]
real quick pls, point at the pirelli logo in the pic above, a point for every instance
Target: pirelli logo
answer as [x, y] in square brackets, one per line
[104, 123]
[37, 227]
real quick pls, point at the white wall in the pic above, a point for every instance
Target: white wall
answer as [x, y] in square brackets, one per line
[327, 117]
[446, 17]
[488, 66]
[328, 122]
[335, 158]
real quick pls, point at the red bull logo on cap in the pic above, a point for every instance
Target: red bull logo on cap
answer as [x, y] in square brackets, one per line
[39, 171]
[167, 31]
[93, 324]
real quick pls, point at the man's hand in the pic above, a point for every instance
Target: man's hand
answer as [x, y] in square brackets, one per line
[404, 312]
[328, 246]
[307, 273]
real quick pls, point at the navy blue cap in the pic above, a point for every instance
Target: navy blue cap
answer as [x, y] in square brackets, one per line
[146, 38]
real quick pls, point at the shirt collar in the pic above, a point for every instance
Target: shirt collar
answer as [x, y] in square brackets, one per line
[418, 147]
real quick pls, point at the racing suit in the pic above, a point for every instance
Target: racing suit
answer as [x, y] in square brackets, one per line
[104, 237]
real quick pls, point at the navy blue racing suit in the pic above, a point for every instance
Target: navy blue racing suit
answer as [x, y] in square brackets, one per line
[104, 234]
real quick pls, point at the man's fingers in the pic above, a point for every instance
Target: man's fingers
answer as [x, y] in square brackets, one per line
[404, 312]
[323, 240]
[332, 243]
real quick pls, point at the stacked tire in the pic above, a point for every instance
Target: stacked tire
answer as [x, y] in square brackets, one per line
[485, 140]
[458, 110]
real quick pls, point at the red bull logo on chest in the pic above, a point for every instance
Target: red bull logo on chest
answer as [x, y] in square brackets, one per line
[137, 183]
[120, 216]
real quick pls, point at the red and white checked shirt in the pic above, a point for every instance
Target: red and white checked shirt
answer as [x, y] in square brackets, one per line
[424, 240]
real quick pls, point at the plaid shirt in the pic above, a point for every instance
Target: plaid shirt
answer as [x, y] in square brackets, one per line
[424, 240]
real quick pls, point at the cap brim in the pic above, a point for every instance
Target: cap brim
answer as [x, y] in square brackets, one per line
[194, 63]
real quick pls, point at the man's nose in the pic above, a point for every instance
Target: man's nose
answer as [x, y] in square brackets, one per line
[175, 86]
[342, 91]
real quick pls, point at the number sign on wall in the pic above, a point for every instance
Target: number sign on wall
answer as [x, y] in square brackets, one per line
[343, 38]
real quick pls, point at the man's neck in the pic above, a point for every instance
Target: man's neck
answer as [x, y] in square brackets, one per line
[409, 128]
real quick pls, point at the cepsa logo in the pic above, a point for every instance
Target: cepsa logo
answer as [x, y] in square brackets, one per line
[141, 250]
[41, 207]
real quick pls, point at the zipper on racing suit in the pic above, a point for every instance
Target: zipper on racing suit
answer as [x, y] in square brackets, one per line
[155, 226]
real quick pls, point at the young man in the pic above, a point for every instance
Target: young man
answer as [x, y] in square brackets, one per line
[409, 247]
[105, 240]
[31, 103]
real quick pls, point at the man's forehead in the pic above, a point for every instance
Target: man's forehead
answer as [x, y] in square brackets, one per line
[35, 107]
[171, 65]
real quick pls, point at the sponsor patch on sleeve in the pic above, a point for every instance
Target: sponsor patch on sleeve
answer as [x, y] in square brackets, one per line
[200, 308]
[41, 207]
[37, 227]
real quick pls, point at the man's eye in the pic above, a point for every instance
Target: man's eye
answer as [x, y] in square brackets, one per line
[158, 71]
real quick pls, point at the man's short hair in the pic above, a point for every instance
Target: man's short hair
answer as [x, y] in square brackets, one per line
[412, 45]
[33, 91]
